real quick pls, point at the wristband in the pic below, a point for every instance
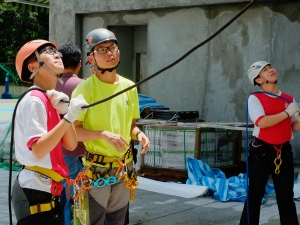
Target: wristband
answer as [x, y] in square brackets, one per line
[137, 135]
[287, 113]
[67, 120]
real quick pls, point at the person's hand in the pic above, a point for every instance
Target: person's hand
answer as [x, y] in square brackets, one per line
[75, 108]
[297, 115]
[144, 140]
[292, 109]
[55, 98]
[116, 140]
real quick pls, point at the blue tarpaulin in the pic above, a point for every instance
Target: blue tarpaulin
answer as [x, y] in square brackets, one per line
[148, 102]
[223, 189]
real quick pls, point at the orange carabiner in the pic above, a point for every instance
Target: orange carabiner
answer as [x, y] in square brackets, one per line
[121, 166]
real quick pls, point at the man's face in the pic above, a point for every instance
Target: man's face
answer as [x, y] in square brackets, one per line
[269, 73]
[106, 55]
[52, 58]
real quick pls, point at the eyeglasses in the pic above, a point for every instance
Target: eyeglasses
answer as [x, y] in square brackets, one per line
[50, 51]
[103, 50]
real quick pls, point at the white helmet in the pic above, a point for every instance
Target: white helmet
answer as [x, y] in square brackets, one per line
[255, 69]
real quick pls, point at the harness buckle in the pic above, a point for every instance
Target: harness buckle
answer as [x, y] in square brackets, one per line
[38, 207]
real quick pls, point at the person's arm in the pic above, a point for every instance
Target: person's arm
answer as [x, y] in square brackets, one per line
[69, 139]
[258, 116]
[296, 126]
[137, 134]
[269, 121]
[116, 140]
[296, 122]
[46, 143]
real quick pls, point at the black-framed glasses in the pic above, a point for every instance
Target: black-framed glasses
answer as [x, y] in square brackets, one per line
[50, 51]
[103, 50]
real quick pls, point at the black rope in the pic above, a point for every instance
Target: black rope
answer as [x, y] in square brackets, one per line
[178, 60]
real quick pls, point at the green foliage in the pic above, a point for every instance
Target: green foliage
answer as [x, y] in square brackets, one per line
[18, 27]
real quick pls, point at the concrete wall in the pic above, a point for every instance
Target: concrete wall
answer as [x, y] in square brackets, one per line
[212, 79]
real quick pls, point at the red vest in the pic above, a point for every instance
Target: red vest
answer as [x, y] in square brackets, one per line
[282, 131]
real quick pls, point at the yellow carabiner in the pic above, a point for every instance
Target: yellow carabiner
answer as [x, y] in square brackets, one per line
[277, 171]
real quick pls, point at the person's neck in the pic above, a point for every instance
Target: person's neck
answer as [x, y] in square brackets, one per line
[73, 71]
[108, 77]
[44, 86]
[271, 88]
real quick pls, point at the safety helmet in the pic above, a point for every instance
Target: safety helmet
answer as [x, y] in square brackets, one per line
[98, 36]
[255, 69]
[27, 50]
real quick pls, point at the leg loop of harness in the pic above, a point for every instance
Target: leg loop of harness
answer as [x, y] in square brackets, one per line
[42, 207]
[278, 160]
[48, 206]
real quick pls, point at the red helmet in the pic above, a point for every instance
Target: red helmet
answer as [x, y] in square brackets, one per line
[24, 53]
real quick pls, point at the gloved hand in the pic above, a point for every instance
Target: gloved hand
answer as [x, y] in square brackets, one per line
[297, 115]
[75, 108]
[292, 108]
[55, 97]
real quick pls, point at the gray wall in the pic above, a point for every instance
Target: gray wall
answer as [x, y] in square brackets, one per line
[212, 79]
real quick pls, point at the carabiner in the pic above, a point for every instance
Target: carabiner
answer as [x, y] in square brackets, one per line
[277, 171]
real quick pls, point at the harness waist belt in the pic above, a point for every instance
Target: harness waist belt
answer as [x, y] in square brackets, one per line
[101, 159]
[47, 172]
[38, 208]
[96, 176]
[265, 144]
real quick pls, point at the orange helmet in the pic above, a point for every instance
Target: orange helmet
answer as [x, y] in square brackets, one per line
[26, 51]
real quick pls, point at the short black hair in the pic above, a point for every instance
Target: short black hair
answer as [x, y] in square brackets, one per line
[71, 55]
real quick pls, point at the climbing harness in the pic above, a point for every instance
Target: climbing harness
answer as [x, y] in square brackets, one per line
[100, 179]
[90, 178]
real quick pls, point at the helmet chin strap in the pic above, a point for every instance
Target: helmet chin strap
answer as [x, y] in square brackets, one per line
[268, 82]
[107, 69]
[41, 63]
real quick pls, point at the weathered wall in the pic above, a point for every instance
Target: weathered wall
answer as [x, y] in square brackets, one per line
[212, 79]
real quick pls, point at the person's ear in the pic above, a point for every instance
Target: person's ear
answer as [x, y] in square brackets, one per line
[32, 66]
[91, 59]
[258, 80]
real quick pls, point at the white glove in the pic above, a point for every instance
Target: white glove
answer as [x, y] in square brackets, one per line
[292, 109]
[55, 97]
[75, 108]
[297, 115]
